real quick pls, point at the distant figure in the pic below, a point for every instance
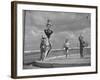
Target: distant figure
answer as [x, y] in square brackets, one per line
[82, 45]
[66, 47]
[48, 33]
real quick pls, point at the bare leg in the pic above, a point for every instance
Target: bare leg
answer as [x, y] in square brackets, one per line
[81, 52]
[50, 47]
[66, 52]
[42, 54]
[41, 57]
[45, 54]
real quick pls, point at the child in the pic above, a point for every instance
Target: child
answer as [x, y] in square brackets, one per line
[66, 47]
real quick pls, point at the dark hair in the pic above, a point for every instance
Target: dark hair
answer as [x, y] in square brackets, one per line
[66, 40]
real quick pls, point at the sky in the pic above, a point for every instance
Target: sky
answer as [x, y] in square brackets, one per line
[65, 25]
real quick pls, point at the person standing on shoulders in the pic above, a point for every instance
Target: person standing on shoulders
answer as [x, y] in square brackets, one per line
[48, 33]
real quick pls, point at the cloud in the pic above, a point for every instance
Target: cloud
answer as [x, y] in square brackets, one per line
[60, 20]
[59, 38]
[65, 25]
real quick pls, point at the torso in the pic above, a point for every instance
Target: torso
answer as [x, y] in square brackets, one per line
[48, 32]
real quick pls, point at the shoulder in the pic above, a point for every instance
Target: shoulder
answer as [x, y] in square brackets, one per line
[51, 31]
[45, 30]
[66, 44]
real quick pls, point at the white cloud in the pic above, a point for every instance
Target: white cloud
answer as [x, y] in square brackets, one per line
[66, 25]
[61, 20]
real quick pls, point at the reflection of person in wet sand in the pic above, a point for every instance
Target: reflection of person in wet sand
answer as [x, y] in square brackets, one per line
[66, 47]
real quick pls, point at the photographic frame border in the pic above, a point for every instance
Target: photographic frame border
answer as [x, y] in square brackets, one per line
[14, 38]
